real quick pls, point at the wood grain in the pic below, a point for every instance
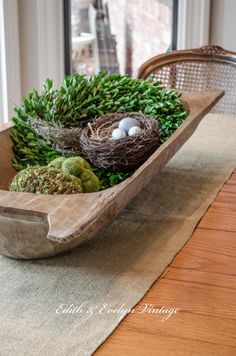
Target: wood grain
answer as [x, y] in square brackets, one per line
[203, 250]
[220, 216]
[201, 281]
[6, 170]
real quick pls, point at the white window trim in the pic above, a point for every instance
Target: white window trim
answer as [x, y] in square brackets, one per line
[10, 83]
[50, 40]
[193, 23]
[24, 64]
[42, 54]
[3, 78]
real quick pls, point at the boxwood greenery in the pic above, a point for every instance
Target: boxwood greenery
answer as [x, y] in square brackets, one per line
[80, 98]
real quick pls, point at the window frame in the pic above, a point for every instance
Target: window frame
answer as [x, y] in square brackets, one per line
[67, 31]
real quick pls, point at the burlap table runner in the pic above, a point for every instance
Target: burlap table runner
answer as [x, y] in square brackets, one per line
[56, 306]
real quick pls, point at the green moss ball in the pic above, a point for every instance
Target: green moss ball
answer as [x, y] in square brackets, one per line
[85, 164]
[90, 182]
[77, 180]
[57, 162]
[44, 180]
[72, 166]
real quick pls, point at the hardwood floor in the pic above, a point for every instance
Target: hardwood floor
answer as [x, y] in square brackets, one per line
[201, 282]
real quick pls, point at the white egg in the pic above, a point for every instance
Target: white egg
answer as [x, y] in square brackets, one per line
[128, 122]
[135, 130]
[117, 134]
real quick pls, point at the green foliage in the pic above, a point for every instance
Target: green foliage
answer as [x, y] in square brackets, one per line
[108, 178]
[80, 99]
[28, 147]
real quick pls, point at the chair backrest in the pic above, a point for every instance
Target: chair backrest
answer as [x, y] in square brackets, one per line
[199, 70]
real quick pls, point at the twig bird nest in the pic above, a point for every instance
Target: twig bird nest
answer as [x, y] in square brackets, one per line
[124, 154]
[64, 140]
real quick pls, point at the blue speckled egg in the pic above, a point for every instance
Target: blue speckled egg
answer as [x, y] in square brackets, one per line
[117, 134]
[134, 131]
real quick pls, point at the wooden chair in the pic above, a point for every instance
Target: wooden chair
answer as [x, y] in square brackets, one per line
[198, 70]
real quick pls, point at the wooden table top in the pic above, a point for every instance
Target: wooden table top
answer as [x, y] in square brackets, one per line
[201, 282]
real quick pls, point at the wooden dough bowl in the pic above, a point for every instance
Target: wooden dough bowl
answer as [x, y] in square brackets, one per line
[36, 226]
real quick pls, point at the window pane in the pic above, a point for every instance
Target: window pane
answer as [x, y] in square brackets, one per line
[118, 35]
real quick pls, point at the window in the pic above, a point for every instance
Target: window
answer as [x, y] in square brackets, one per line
[117, 35]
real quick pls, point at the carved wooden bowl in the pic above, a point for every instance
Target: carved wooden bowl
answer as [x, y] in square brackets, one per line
[36, 226]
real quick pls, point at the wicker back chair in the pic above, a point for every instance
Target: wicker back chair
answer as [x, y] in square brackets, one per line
[199, 70]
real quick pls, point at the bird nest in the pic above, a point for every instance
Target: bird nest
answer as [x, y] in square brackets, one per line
[64, 140]
[122, 155]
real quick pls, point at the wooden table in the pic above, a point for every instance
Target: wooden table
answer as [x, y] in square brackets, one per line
[201, 281]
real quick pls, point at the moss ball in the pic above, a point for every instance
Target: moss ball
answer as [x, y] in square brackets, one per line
[57, 162]
[90, 182]
[77, 180]
[44, 180]
[72, 166]
[86, 165]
